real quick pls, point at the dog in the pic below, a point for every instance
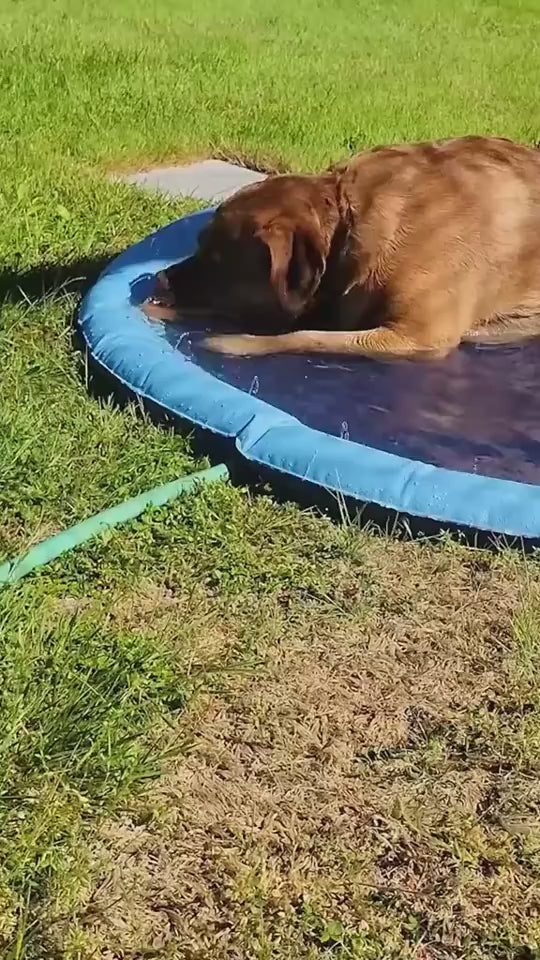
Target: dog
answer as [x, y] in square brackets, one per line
[403, 251]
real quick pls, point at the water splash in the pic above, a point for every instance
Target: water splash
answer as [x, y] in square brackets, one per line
[254, 388]
[344, 433]
[185, 344]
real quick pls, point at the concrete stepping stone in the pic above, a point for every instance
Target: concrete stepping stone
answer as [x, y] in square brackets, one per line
[211, 180]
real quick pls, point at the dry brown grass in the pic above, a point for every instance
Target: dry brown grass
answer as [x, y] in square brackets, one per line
[370, 790]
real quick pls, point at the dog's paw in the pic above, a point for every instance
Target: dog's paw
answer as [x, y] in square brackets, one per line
[243, 345]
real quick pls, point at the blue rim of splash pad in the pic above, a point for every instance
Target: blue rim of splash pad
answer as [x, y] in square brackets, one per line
[124, 343]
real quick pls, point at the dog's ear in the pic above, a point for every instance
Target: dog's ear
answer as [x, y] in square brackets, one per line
[297, 263]
[162, 281]
[163, 288]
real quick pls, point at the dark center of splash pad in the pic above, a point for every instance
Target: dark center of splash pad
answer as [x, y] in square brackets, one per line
[477, 411]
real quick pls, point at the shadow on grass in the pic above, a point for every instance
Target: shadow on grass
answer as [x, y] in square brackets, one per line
[49, 279]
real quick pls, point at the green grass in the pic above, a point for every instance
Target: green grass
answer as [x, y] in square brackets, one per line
[100, 653]
[78, 696]
[119, 84]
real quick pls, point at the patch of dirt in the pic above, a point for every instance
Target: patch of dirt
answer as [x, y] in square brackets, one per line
[348, 795]
[146, 165]
[270, 168]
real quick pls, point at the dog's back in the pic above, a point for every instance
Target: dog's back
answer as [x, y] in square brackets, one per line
[464, 206]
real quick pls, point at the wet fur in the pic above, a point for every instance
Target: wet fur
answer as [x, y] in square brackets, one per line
[403, 251]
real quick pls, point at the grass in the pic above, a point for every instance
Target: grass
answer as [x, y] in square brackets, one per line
[360, 767]
[355, 721]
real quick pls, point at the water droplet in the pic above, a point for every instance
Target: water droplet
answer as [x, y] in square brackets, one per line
[254, 388]
[344, 434]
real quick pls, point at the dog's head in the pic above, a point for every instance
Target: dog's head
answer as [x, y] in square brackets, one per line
[263, 255]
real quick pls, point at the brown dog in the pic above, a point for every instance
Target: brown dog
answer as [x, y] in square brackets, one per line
[403, 251]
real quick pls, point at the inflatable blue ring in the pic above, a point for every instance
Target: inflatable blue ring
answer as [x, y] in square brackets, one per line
[376, 433]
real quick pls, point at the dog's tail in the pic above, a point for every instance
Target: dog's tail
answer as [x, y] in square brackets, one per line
[510, 328]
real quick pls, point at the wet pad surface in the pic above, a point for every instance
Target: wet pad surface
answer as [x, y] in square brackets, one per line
[477, 411]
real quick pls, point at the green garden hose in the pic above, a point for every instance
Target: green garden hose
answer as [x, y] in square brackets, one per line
[54, 547]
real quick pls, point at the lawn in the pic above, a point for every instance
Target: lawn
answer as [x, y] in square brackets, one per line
[235, 729]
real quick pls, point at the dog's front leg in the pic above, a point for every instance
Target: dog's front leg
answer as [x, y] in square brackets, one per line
[382, 342]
